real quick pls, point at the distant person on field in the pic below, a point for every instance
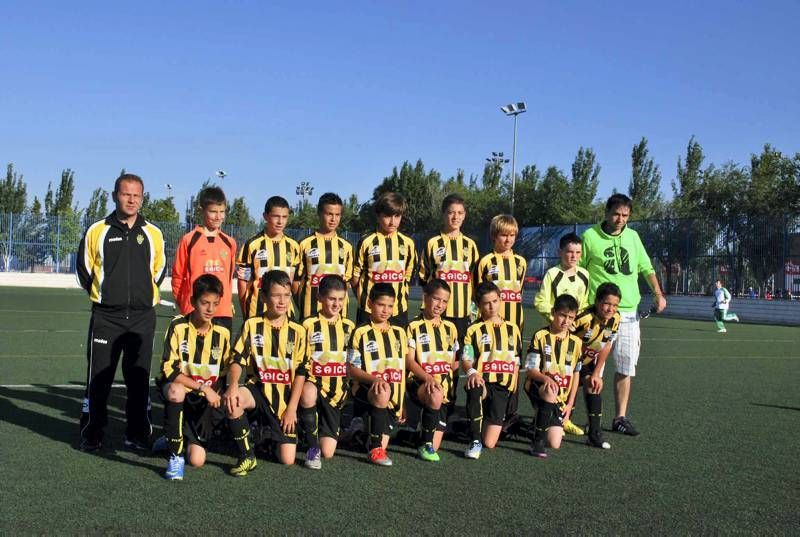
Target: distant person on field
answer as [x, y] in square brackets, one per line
[268, 250]
[206, 250]
[565, 278]
[120, 264]
[722, 301]
[612, 252]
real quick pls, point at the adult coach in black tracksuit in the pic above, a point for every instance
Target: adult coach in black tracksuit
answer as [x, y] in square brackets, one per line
[120, 264]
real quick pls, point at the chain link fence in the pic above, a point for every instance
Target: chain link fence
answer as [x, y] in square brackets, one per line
[752, 255]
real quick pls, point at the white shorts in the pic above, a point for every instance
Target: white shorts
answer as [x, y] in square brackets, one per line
[625, 352]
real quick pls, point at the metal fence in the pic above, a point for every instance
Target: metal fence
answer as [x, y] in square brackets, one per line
[689, 254]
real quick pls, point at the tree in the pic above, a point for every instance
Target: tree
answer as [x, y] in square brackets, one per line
[688, 185]
[159, 210]
[584, 184]
[66, 189]
[645, 184]
[13, 193]
[305, 217]
[527, 206]
[36, 207]
[239, 215]
[98, 205]
[554, 196]
[774, 181]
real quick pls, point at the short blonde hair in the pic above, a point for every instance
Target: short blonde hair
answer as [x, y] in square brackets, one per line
[503, 223]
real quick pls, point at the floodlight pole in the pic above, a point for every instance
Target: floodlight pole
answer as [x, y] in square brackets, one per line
[514, 166]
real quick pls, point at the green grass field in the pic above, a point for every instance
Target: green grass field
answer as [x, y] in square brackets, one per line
[719, 416]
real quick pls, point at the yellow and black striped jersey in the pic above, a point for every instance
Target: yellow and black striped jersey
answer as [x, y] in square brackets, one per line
[382, 353]
[495, 351]
[454, 260]
[272, 357]
[556, 283]
[319, 257]
[508, 273]
[326, 356]
[557, 358]
[203, 358]
[121, 267]
[595, 333]
[435, 347]
[385, 258]
[260, 254]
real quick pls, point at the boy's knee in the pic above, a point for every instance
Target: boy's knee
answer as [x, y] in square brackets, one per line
[309, 397]
[176, 393]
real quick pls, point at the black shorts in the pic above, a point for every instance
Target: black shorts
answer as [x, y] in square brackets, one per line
[550, 414]
[329, 419]
[268, 423]
[495, 403]
[587, 369]
[201, 421]
[361, 408]
[411, 392]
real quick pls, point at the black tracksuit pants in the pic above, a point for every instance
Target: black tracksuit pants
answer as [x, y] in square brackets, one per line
[112, 335]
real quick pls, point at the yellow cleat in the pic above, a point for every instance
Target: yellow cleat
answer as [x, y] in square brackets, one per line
[571, 428]
[245, 465]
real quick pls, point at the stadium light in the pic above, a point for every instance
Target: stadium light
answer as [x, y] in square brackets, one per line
[514, 109]
[497, 160]
[221, 174]
[169, 189]
[303, 190]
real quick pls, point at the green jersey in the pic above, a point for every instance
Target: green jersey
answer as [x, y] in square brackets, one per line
[618, 259]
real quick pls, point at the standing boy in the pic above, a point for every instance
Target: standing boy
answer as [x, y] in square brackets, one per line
[272, 349]
[432, 347]
[385, 256]
[376, 362]
[322, 254]
[263, 252]
[722, 301]
[195, 359]
[490, 361]
[553, 356]
[120, 265]
[507, 271]
[206, 250]
[565, 278]
[325, 390]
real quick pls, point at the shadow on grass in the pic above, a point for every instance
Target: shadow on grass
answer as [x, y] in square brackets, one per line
[780, 407]
[55, 428]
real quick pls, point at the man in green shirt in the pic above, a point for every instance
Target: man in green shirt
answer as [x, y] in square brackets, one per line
[614, 253]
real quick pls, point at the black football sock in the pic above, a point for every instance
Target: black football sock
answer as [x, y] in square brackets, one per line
[594, 407]
[240, 429]
[378, 426]
[308, 417]
[173, 427]
[429, 419]
[475, 413]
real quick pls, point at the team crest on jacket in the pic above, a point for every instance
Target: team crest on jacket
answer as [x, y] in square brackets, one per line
[397, 348]
[289, 347]
[403, 250]
[140, 239]
[341, 256]
[216, 353]
[224, 253]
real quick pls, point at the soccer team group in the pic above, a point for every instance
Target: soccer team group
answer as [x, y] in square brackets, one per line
[298, 359]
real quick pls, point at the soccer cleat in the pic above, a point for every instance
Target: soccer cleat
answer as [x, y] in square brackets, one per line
[243, 467]
[597, 441]
[623, 425]
[427, 453]
[721, 331]
[160, 445]
[137, 444]
[474, 450]
[537, 450]
[380, 457]
[90, 445]
[571, 428]
[175, 468]
[313, 458]
[736, 318]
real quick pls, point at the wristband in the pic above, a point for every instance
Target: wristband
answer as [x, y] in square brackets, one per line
[471, 371]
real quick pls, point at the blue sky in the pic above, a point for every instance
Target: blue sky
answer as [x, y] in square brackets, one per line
[337, 93]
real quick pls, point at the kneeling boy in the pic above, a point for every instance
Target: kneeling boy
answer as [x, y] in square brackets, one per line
[550, 381]
[325, 388]
[272, 348]
[432, 347]
[490, 359]
[376, 361]
[195, 356]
